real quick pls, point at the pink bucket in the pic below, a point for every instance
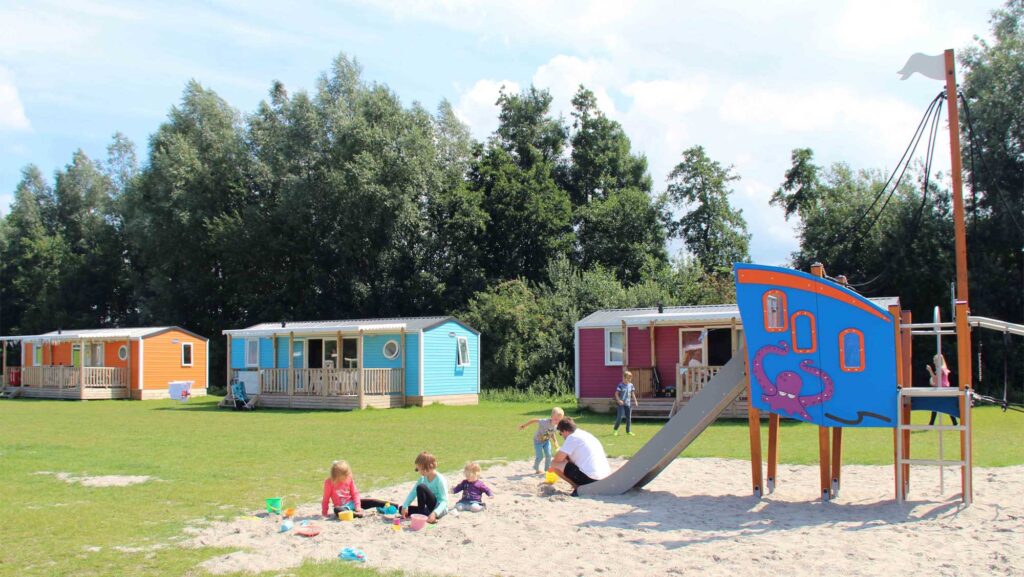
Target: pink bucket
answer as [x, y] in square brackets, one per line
[417, 522]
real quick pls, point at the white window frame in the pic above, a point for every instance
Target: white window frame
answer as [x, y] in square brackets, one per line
[384, 350]
[90, 350]
[191, 354]
[123, 349]
[462, 357]
[608, 360]
[249, 361]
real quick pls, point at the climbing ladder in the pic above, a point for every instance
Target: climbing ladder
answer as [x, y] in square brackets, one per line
[903, 460]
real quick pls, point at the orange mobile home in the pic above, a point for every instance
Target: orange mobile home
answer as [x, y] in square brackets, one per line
[136, 363]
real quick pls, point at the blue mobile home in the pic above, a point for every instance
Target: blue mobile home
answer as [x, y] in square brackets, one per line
[354, 364]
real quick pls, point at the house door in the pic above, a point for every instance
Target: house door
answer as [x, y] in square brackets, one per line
[76, 355]
[719, 347]
[316, 353]
[349, 353]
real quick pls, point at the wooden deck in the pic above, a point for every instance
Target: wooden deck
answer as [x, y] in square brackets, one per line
[687, 384]
[329, 389]
[65, 382]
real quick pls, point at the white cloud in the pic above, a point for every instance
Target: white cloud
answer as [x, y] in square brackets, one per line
[478, 108]
[12, 113]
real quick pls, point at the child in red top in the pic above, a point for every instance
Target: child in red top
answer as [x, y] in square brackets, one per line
[340, 489]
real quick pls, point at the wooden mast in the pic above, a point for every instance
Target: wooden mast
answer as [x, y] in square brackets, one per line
[963, 330]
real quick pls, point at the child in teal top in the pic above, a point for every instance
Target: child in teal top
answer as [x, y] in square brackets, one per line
[430, 491]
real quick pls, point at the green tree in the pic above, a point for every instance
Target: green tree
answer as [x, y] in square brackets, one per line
[800, 189]
[714, 232]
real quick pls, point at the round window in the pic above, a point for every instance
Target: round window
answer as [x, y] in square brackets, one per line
[122, 353]
[391, 349]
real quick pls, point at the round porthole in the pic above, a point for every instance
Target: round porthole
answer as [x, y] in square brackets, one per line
[122, 352]
[391, 349]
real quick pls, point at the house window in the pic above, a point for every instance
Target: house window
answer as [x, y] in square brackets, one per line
[851, 351]
[37, 356]
[252, 352]
[775, 311]
[186, 354]
[613, 347]
[94, 355]
[463, 351]
[122, 352]
[805, 336]
[391, 350]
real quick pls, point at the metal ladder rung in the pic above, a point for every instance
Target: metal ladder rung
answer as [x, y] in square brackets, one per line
[934, 462]
[932, 428]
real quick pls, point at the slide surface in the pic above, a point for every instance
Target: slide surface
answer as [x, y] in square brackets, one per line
[678, 432]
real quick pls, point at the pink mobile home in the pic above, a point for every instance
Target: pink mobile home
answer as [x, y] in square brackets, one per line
[671, 352]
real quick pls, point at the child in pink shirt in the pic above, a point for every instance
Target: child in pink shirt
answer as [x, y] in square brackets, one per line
[340, 490]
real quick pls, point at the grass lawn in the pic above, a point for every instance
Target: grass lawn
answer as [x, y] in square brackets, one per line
[213, 463]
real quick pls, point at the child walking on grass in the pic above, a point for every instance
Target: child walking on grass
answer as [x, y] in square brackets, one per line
[544, 437]
[625, 398]
[472, 489]
[430, 491]
[340, 489]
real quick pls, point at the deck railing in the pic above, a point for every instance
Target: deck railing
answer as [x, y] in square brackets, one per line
[66, 377]
[690, 380]
[329, 382]
[384, 381]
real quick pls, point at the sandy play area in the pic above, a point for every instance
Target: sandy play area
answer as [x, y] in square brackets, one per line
[696, 518]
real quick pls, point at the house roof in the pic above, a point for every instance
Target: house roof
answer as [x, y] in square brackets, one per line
[408, 324]
[98, 334]
[680, 315]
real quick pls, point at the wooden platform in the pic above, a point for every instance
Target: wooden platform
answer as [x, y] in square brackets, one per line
[661, 408]
[76, 394]
[323, 402]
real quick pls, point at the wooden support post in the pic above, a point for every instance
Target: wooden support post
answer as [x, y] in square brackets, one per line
[362, 373]
[654, 358]
[274, 342]
[773, 450]
[967, 434]
[754, 426]
[824, 462]
[227, 370]
[3, 375]
[128, 369]
[81, 370]
[291, 363]
[837, 459]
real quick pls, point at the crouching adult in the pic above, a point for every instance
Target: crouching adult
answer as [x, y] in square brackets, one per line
[581, 460]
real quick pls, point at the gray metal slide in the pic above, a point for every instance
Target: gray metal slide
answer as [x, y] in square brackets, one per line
[678, 432]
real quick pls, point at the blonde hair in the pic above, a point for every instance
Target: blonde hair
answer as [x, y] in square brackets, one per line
[340, 470]
[426, 461]
[627, 374]
[940, 361]
[471, 470]
[558, 411]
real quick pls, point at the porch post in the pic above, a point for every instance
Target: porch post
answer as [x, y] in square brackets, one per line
[402, 345]
[291, 363]
[227, 376]
[81, 361]
[3, 375]
[653, 357]
[362, 384]
[128, 370]
[274, 337]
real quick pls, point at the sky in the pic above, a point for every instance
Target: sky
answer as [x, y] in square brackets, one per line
[748, 80]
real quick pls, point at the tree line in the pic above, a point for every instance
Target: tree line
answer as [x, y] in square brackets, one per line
[341, 202]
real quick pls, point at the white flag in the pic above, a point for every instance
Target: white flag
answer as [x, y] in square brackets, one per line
[925, 65]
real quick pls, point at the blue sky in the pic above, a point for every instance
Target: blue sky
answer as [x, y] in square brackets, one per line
[748, 80]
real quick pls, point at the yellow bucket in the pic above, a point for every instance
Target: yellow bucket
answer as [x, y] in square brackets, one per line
[550, 478]
[346, 515]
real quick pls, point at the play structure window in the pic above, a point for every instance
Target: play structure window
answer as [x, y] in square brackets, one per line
[805, 337]
[391, 349]
[775, 316]
[613, 347]
[186, 354]
[122, 352]
[463, 351]
[252, 352]
[851, 350]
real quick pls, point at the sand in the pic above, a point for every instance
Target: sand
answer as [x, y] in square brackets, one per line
[696, 518]
[100, 481]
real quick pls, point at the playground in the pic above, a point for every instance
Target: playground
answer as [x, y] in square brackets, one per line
[698, 509]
